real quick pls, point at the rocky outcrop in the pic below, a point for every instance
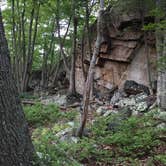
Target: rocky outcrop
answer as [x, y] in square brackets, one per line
[132, 88]
[122, 106]
[123, 54]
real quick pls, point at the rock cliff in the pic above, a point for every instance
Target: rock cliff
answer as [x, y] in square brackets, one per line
[124, 55]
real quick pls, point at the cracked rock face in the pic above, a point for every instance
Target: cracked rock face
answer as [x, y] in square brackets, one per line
[122, 54]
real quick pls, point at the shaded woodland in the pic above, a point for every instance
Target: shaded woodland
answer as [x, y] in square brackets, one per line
[82, 82]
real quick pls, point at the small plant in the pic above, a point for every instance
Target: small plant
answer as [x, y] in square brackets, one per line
[136, 137]
[133, 139]
[161, 158]
[39, 114]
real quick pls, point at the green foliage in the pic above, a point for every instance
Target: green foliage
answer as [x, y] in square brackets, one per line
[39, 114]
[161, 158]
[50, 151]
[136, 5]
[159, 27]
[91, 150]
[134, 139]
[162, 63]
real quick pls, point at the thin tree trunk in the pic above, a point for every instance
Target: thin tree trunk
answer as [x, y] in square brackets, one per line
[161, 53]
[14, 44]
[72, 87]
[61, 42]
[87, 28]
[25, 73]
[23, 43]
[44, 67]
[51, 47]
[19, 49]
[90, 76]
[161, 81]
[82, 54]
[31, 45]
[16, 147]
[56, 73]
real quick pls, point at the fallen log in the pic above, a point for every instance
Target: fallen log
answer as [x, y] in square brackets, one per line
[29, 102]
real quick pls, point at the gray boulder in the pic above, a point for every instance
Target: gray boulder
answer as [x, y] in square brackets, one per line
[137, 103]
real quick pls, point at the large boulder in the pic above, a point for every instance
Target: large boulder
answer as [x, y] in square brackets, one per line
[133, 88]
[73, 98]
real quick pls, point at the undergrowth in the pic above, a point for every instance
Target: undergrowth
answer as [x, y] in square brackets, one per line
[135, 140]
[39, 114]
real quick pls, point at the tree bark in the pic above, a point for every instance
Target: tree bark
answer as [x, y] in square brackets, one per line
[161, 53]
[72, 88]
[82, 54]
[44, 81]
[16, 148]
[61, 42]
[89, 81]
[25, 72]
[161, 80]
[31, 45]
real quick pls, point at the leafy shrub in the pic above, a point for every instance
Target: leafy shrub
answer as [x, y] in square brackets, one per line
[135, 138]
[89, 150]
[161, 158]
[39, 114]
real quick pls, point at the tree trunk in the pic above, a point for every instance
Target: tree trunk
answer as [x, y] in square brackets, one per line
[44, 81]
[161, 53]
[87, 28]
[72, 88]
[161, 80]
[25, 72]
[31, 45]
[90, 76]
[82, 54]
[15, 147]
[61, 42]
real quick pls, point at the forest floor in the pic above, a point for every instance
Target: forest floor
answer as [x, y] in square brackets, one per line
[135, 141]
